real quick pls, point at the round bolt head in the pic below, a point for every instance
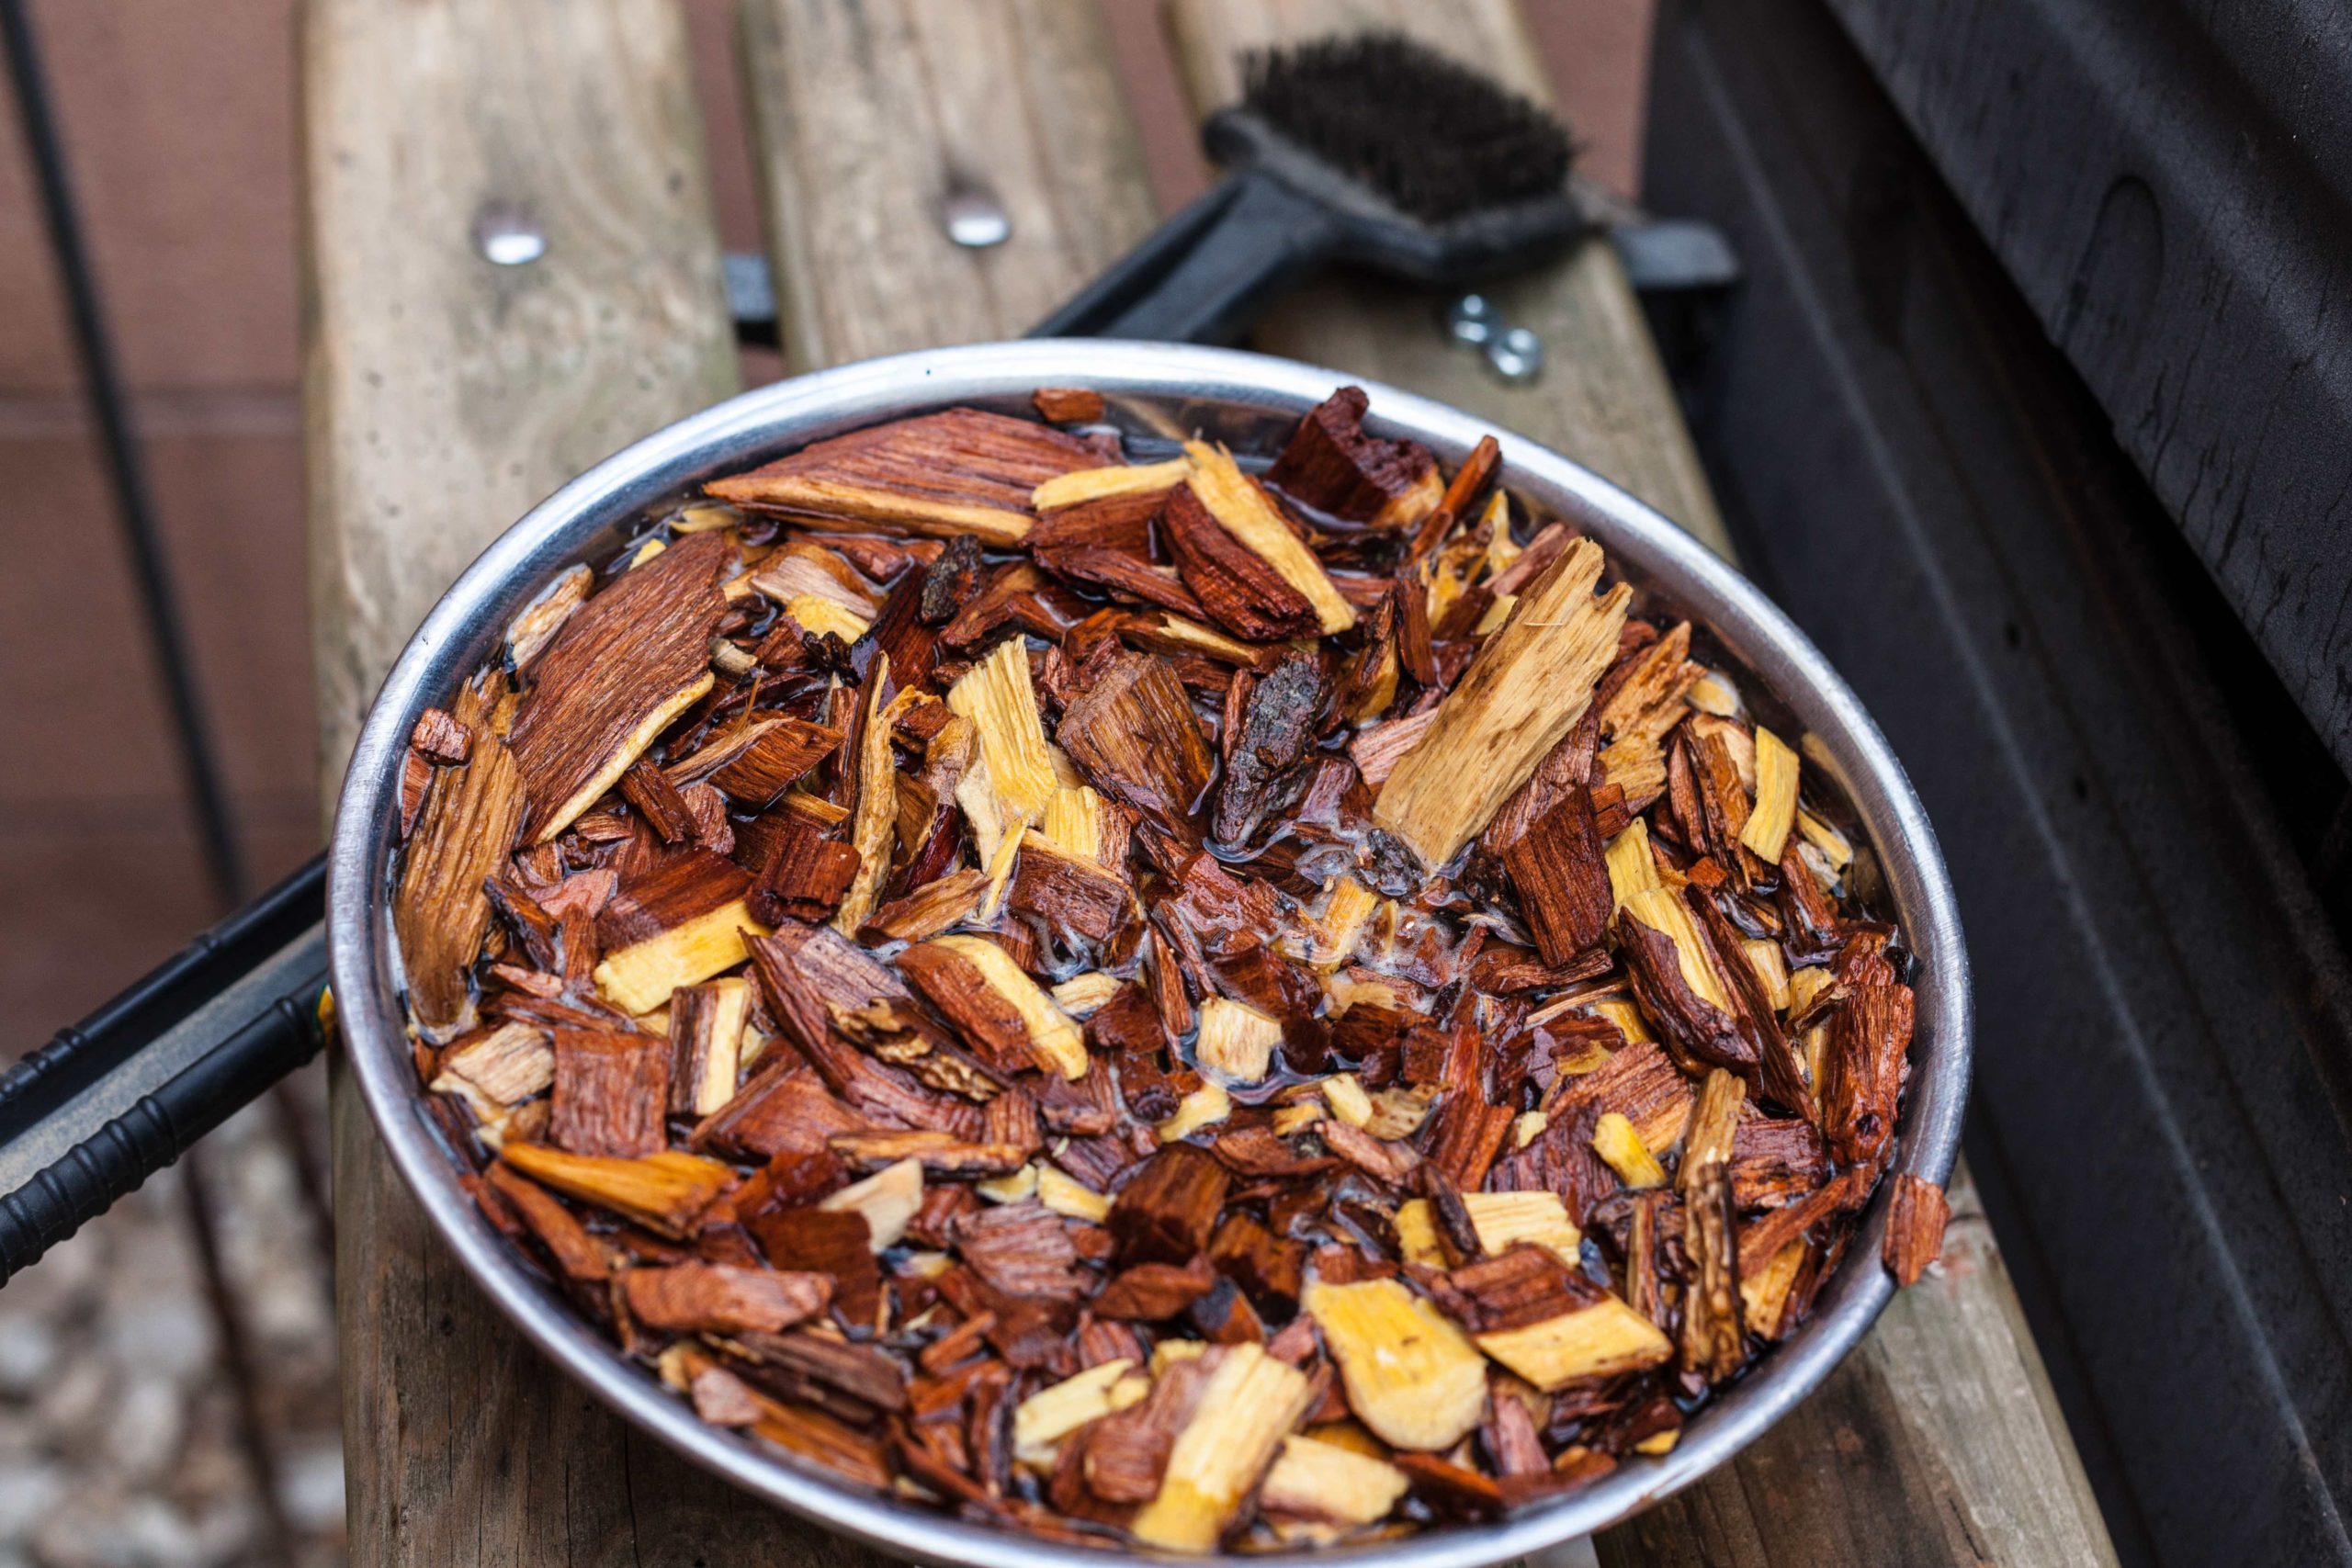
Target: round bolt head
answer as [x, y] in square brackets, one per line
[1473, 319]
[973, 218]
[1517, 357]
[507, 233]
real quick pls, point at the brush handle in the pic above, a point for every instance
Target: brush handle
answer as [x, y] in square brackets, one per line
[88, 1117]
[1207, 273]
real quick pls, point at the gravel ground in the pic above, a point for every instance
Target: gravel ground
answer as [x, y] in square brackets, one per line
[124, 1440]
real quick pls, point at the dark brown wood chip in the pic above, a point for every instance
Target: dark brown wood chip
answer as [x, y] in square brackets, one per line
[1563, 878]
[1278, 724]
[1333, 465]
[1169, 1207]
[805, 877]
[1022, 1250]
[1238, 588]
[1134, 736]
[838, 1244]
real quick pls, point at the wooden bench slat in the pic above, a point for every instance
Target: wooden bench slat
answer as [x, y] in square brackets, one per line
[444, 396]
[867, 114]
[1938, 1439]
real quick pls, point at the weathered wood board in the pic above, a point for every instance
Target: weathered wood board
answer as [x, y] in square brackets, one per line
[444, 395]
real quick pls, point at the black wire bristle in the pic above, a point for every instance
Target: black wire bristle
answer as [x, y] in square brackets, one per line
[1435, 138]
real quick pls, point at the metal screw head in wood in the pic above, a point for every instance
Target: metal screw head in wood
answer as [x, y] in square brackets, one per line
[507, 233]
[973, 216]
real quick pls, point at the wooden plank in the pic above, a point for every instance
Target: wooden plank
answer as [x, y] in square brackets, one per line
[1947, 1443]
[870, 115]
[1603, 398]
[444, 396]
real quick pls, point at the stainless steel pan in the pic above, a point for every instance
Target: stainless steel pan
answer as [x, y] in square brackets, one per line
[1155, 392]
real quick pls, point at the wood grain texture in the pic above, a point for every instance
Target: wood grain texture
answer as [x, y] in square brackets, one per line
[870, 112]
[1604, 398]
[444, 396]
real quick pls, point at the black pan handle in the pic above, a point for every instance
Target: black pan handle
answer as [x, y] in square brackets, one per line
[92, 1114]
[1207, 273]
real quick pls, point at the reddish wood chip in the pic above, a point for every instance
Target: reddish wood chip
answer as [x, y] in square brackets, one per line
[1521, 1286]
[1150, 1293]
[821, 1241]
[612, 1090]
[682, 886]
[1869, 1038]
[1067, 405]
[1128, 1453]
[1563, 878]
[1022, 1250]
[1169, 1207]
[649, 789]
[709, 1297]
[805, 877]
[577, 1254]
[438, 738]
[788, 1110]
[1237, 588]
[639, 648]
[780, 757]
[1333, 465]
[1914, 1227]
[1071, 894]
[1133, 734]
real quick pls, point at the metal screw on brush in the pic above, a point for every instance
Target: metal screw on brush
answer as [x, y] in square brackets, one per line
[1516, 356]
